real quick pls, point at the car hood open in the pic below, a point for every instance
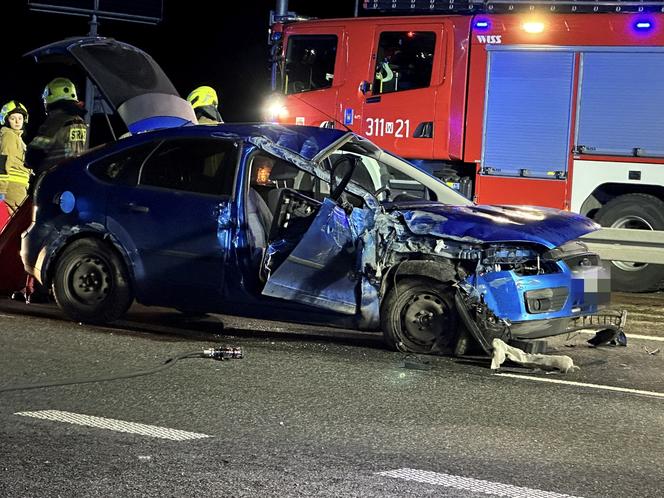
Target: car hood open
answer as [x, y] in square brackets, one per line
[544, 226]
[131, 82]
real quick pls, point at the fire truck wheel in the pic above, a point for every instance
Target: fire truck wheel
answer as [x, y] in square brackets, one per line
[91, 283]
[418, 316]
[637, 211]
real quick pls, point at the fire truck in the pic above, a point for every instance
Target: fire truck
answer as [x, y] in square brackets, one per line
[548, 103]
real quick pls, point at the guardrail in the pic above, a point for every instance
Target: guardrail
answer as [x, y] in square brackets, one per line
[625, 244]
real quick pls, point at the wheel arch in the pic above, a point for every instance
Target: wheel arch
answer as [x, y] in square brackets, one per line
[606, 192]
[439, 271]
[58, 248]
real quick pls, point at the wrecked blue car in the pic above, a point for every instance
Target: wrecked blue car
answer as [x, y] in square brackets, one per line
[294, 223]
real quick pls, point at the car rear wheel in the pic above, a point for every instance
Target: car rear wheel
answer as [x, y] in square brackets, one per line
[418, 316]
[91, 282]
[641, 212]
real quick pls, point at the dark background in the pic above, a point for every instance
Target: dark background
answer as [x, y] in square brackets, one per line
[215, 42]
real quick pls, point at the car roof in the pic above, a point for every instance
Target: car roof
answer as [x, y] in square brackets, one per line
[305, 141]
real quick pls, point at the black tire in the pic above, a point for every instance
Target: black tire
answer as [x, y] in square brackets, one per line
[640, 211]
[418, 316]
[91, 283]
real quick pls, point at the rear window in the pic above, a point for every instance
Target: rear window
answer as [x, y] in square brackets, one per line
[192, 165]
[309, 63]
[122, 168]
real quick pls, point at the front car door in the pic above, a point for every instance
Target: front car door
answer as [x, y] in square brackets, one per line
[176, 219]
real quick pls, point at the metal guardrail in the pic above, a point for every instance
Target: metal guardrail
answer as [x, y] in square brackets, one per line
[624, 244]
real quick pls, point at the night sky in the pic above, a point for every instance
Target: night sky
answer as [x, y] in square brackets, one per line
[194, 44]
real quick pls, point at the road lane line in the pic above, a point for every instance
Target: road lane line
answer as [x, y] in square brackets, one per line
[629, 336]
[113, 425]
[584, 384]
[470, 484]
[645, 337]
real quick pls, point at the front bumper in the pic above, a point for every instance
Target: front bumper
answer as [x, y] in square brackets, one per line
[542, 305]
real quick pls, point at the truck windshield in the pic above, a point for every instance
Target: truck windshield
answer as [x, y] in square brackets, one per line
[309, 63]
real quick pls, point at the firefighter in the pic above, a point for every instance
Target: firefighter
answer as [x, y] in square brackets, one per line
[205, 103]
[64, 133]
[13, 117]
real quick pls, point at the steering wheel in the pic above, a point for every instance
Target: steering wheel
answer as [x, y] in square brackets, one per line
[385, 189]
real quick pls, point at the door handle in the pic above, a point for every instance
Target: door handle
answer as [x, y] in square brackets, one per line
[372, 100]
[138, 209]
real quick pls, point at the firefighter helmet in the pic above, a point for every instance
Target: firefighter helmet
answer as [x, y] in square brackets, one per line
[12, 107]
[203, 95]
[59, 89]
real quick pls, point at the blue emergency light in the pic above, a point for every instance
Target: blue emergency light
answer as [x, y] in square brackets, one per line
[643, 25]
[482, 24]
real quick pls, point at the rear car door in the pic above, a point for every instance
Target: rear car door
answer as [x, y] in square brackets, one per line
[178, 220]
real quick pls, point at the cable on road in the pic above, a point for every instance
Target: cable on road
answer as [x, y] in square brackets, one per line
[227, 353]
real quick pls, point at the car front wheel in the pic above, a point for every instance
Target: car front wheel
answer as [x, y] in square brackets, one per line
[418, 316]
[91, 283]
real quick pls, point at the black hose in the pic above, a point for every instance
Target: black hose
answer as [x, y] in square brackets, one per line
[87, 380]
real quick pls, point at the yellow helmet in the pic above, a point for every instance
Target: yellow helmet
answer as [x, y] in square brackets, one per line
[59, 89]
[203, 95]
[12, 107]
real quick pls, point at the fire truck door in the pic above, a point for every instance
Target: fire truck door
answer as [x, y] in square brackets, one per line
[312, 75]
[399, 98]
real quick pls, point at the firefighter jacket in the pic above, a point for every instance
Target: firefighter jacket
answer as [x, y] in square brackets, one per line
[208, 115]
[62, 135]
[12, 157]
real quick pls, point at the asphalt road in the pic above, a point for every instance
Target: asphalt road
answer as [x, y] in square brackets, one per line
[320, 412]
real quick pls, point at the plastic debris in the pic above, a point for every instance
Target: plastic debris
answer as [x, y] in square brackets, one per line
[415, 363]
[503, 351]
[652, 352]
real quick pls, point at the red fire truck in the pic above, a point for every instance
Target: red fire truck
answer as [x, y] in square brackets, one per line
[557, 103]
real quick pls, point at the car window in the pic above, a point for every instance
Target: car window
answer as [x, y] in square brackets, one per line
[192, 165]
[122, 168]
[404, 61]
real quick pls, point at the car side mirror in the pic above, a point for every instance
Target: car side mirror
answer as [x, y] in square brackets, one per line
[365, 87]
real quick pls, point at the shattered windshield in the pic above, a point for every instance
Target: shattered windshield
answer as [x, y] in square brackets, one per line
[379, 172]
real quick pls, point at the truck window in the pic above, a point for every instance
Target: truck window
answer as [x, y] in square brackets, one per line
[404, 61]
[309, 63]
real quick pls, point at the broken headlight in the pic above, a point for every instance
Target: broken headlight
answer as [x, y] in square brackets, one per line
[574, 253]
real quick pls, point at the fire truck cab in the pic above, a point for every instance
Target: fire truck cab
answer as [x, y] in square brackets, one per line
[558, 109]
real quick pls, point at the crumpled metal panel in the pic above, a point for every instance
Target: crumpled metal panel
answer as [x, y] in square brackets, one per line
[544, 226]
[320, 270]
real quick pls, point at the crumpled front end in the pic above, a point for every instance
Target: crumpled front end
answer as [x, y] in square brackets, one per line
[538, 294]
[526, 288]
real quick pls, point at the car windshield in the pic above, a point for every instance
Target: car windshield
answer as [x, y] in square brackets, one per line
[377, 171]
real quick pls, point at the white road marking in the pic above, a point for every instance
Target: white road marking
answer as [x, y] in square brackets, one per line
[584, 384]
[629, 336]
[114, 425]
[470, 484]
